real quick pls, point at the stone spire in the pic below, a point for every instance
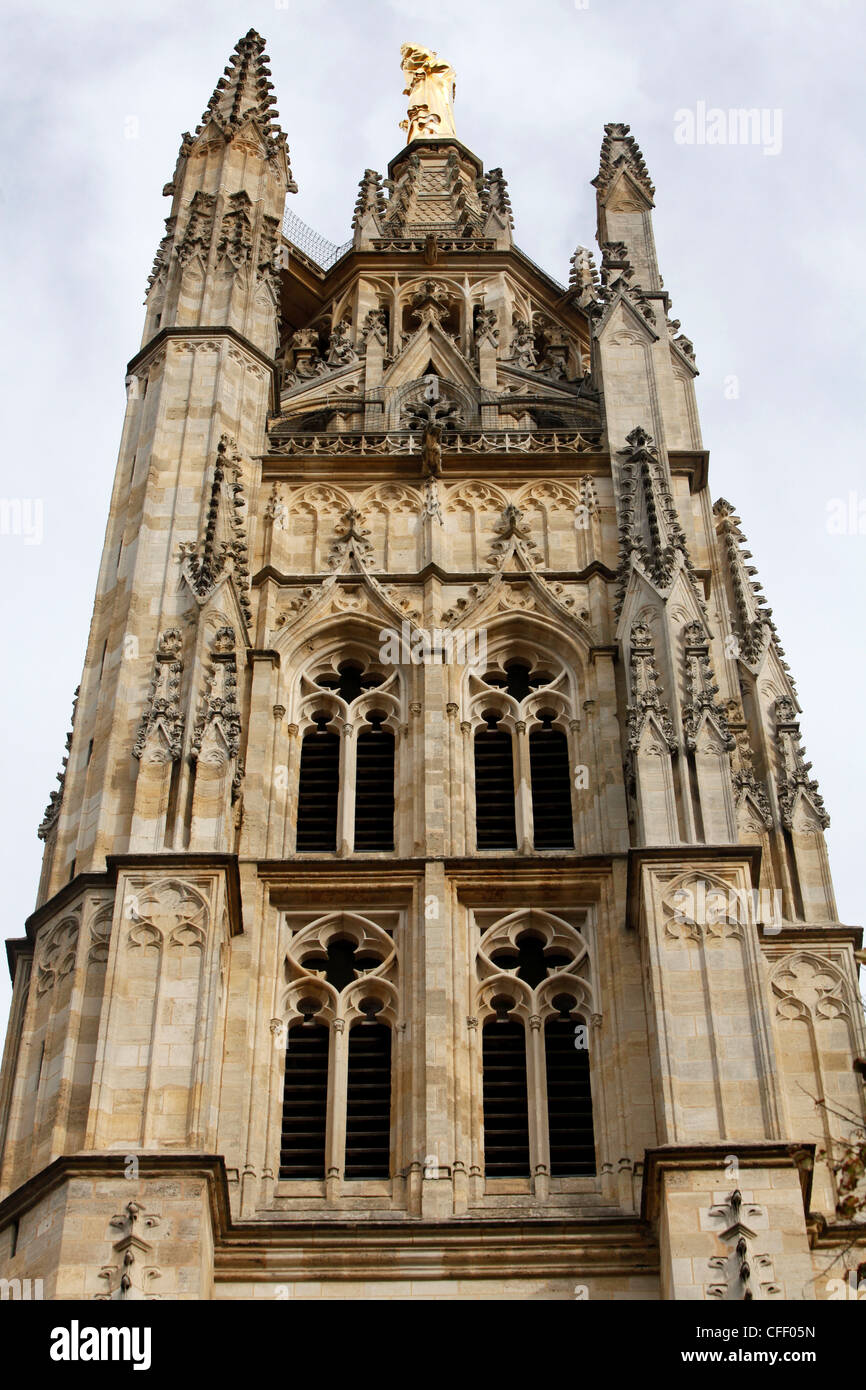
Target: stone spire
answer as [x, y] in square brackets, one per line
[244, 91]
[228, 196]
[624, 198]
[650, 532]
[620, 153]
[753, 625]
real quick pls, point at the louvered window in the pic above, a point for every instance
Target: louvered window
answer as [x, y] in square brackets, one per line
[494, 788]
[305, 1093]
[506, 1111]
[515, 1137]
[551, 789]
[318, 789]
[368, 1101]
[569, 1101]
[374, 788]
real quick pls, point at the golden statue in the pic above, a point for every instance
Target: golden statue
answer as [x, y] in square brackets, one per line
[430, 89]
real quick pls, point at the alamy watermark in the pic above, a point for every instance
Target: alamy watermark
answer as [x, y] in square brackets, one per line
[418, 646]
[17, 1290]
[704, 904]
[738, 125]
[846, 516]
[24, 517]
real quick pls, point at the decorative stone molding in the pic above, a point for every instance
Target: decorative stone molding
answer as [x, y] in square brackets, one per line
[795, 784]
[163, 718]
[701, 707]
[223, 548]
[646, 706]
[220, 714]
[55, 800]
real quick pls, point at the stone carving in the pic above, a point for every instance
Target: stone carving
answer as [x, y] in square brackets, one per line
[236, 232]
[701, 706]
[583, 280]
[566, 957]
[318, 985]
[55, 798]
[650, 535]
[495, 196]
[268, 256]
[739, 1267]
[794, 781]
[620, 150]
[169, 912]
[242, 98]
[807, 985]
[430, 87]
[220, 714]
[371, 197]
[647, 706]
[340, 349]
[163, 715]
[223, 548]
[130, 1279]
[523, 351]
[563, 441]
[754, 626]
[486, 327]
[198, 231]
[512, 530]
[555, 348]
[57, 953]
[353, 539]
[430, 302]
[375, 328]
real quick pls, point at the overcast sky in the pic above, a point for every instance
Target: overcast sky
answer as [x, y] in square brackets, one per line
[762, 254]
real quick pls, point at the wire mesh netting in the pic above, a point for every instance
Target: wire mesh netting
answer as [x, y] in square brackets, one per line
[325, 253]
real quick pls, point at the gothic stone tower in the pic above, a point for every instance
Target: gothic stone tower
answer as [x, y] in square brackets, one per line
[435, 902]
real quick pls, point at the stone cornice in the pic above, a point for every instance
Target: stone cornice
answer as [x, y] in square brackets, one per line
[434, 571]
[167, 861]
[689, 1158]
[68, 893]
[219, 331]
[171, 863]
[717, 855]
[814, 934]
[341, 1248]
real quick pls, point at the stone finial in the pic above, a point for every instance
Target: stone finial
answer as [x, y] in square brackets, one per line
[620, 150]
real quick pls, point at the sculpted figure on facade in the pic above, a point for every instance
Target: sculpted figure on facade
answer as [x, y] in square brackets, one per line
[430, 87]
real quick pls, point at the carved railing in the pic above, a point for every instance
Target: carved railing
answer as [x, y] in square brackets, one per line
[562, 441]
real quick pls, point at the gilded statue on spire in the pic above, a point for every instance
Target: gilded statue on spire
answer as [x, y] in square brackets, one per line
[430, 87]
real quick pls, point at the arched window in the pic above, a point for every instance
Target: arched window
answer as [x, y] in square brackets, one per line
[374, 786]
[553, 826]
[506, 1105]
[336, 1100]
[305, 1090]
[494, 787]
[318, 787]
[368, 1100]
[521, 746]
[569, 1098]
[346, 779]
[535, 996]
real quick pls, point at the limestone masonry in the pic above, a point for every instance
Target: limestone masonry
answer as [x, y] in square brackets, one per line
[435, 901]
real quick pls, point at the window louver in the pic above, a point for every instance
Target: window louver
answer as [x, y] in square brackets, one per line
[318, 788]
[569, 1101]
[506, 1113]
[368, 1101]
[374, 790]
[305, 1090]
[551, 789]
[494, 790]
